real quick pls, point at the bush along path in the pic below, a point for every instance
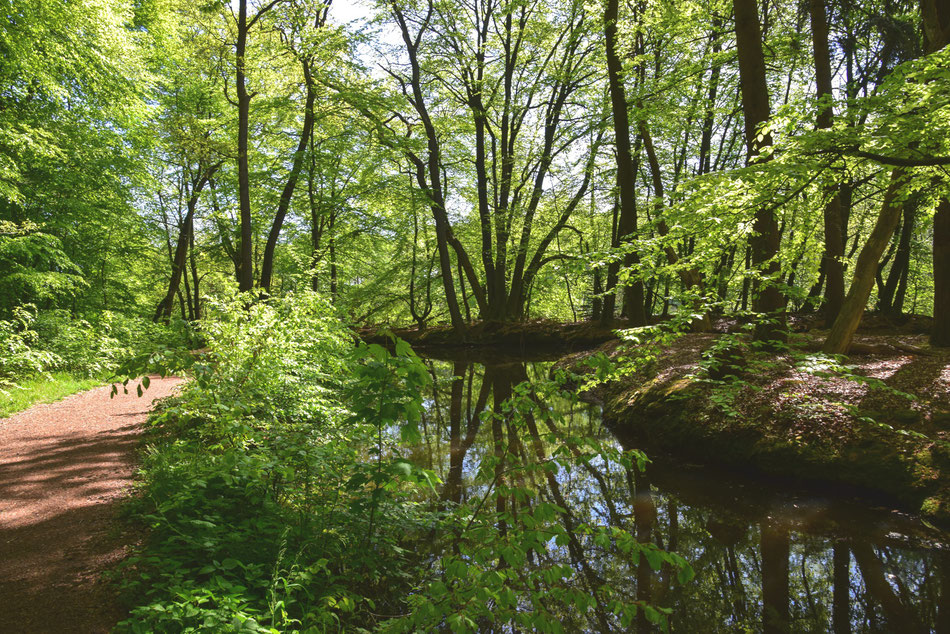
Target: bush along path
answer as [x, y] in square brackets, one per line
[64, 467]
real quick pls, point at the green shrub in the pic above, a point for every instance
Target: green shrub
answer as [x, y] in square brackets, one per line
[102, 343]
[279, 497]
[19, 354]
[267, 509]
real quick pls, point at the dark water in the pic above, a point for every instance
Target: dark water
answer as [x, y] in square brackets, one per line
[766, 557]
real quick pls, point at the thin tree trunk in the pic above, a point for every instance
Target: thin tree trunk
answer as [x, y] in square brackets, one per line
[935, 16]
[316, 220]
[453, 483]
[195, 280]
[191, 312]
[899, 617]
[839, 339]
[832, 264]
[245, 261]
[333, 271]
[432, 166]
[610, 288]
[775, 553]
[286, 196]
[164, 309]
[940, 336]
[890, 300]
[841, 614]
[690, 278]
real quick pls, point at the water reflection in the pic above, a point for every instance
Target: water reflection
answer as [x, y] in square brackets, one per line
[765, 560]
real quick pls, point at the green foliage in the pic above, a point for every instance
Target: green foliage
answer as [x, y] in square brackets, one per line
[19, 354]
[34, 267]
[34, 343]
[264, 511]
[100, 345]
[280, 495]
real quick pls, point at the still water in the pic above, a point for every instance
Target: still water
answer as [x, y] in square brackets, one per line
[767, 557]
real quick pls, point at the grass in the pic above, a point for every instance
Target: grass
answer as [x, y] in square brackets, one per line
[42, 389]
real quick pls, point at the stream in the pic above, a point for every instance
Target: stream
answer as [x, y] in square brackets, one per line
[768, 556]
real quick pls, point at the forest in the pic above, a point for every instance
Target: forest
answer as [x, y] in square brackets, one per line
[496, 315]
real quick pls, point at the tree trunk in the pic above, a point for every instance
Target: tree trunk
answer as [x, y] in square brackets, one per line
[610, 286]
[832, 264]
[841, 593]
[940, 336]
[891, 295]
[246, 260]
[195, 280]
[633, 306]
[690, 278]
[431, 166]
[316, 221]
[453, 483]
[286, 196]
[765, 241]
[935, 16]
[333, 271]
[644, 517]
[899, 617]
[596, 301]
[775, 553]
[705, 144]
[839, 339]
[164, 309]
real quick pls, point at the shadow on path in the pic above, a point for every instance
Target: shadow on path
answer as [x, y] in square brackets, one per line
[63, 468]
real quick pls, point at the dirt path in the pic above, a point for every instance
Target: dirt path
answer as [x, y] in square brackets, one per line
[63, 468]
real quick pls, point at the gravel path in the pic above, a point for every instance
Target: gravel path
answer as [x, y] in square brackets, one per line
[63, 468]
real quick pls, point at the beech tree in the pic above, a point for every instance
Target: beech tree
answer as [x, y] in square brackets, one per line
[936, 26]
[765, 239]
[516, 70]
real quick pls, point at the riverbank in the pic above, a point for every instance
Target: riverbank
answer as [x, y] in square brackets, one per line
[518, 336]
[875, 423]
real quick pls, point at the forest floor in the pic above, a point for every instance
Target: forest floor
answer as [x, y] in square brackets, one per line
[64, 468]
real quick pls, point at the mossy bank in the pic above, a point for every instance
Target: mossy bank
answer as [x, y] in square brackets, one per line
[878, 424]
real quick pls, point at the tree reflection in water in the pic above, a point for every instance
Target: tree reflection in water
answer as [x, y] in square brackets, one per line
[766, 559]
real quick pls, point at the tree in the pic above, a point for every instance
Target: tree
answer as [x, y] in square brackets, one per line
[842, 331]
[298, 39]
[634, 308]
[766, 238]
[936, 26]
[832, 265]
[516, 72]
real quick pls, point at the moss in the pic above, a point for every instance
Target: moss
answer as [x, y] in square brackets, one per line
[936, 508]
[678, 415]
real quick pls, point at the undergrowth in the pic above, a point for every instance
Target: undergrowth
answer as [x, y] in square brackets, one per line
[279, 497]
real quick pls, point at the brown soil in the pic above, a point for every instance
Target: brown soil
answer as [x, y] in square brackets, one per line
[63, 469]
